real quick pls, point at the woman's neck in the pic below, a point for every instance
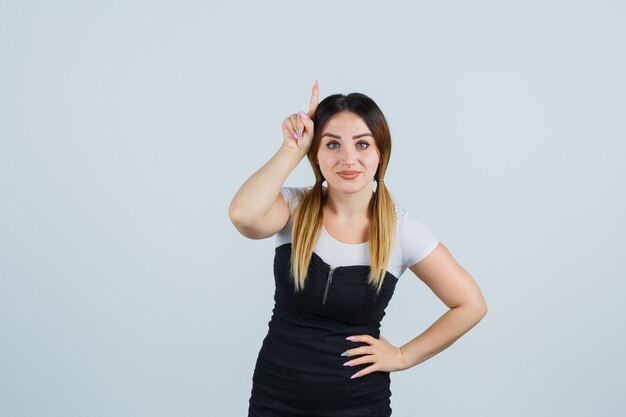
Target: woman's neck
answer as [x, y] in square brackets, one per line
[349, 207]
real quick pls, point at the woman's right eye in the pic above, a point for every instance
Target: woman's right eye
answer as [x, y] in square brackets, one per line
[330, 144]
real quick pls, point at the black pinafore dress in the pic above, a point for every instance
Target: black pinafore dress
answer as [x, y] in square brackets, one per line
[299, 370]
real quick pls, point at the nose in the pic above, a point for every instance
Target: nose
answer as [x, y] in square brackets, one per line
[349, 155]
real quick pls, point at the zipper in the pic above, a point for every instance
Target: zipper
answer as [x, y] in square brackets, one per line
[330, 279]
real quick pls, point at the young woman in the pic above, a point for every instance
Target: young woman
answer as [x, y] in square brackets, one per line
[340, 251]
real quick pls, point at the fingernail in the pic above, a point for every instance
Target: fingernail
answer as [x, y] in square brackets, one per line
[354, 376]
[300, 133]
[294, 134]
[350, 337]
[303, 116]
[347, 363]
[345, 353]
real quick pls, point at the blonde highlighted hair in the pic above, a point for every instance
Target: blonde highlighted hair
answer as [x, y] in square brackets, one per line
[308, 216]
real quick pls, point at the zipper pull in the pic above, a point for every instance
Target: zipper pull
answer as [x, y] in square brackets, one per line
[330, 279]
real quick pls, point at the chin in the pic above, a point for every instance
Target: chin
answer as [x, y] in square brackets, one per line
[347, 187]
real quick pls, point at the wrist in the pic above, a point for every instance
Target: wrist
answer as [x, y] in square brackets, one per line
[403, 360]
[292, 152]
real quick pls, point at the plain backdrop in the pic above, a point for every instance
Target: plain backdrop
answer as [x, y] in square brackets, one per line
[126, 127]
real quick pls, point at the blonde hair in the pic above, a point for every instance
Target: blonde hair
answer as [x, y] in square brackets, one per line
[308, 216]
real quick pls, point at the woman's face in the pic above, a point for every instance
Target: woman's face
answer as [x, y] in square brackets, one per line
[347, 145]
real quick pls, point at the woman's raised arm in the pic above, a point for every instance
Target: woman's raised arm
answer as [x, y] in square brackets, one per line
[258, 210]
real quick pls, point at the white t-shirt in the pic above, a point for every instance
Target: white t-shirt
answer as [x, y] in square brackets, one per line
[413, 241]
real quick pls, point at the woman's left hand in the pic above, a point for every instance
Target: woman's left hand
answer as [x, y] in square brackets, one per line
[380, 353]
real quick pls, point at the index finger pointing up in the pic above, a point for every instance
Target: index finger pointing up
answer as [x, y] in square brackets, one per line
[315, 94]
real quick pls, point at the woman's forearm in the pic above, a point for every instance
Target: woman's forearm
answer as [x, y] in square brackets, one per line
[257, 194]
[441, 334]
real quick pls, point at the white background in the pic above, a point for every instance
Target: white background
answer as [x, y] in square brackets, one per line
[127, 127]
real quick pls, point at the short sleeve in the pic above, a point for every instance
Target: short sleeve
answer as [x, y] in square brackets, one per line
[292, 196]
[416, 240]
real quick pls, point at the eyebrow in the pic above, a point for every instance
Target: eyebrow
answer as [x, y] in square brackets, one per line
[353, 137]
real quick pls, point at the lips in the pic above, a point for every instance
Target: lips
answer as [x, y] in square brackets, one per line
[349, 174]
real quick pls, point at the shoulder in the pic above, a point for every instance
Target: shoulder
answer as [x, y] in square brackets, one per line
[415, 238]
[405, 217]
[293, 192]
[292, 195]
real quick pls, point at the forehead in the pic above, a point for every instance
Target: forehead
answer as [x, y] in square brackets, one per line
[346, 122]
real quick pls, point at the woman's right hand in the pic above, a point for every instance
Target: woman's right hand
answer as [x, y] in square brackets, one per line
[302, 121]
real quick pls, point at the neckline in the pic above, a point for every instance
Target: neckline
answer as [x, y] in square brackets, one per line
[340, 242]
[319, 259]
[327, 267]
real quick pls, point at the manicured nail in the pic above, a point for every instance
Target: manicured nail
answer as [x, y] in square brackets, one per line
[345, 353]
[347, 363]
[354, 376]
[350, 337]
[300, 133]
[294, 134]
[303, 116]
